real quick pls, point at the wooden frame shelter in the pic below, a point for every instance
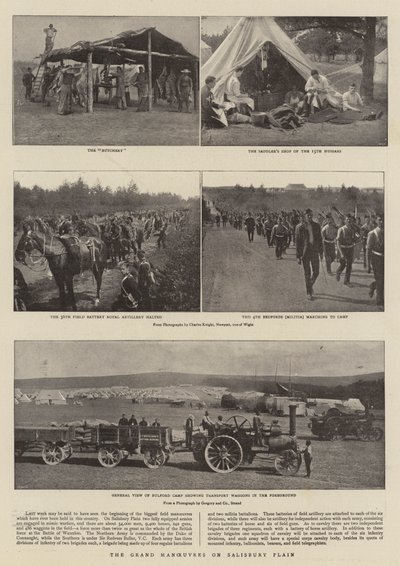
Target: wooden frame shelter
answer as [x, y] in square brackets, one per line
[142, 47]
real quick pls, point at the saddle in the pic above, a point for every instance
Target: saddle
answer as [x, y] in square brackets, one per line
[81, 250]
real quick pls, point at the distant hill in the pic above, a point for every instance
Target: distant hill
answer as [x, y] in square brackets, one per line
[162, 379]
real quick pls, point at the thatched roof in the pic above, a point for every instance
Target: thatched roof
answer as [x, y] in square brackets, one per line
[126, 47]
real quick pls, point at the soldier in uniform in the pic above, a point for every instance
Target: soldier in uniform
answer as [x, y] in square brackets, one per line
[129, 296]
[145, 281]
[250, 224]
[329, 234]
[123, 421]
[309, 250]
[279, 236]
[347, 238]
[185, 87]
[257, 426]
[132, 421]
[189, 426]
[375, 258]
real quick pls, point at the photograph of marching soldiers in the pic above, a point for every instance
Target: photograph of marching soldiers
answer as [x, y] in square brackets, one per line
[199, 415]
[106, 80]
[294, 81]
[106, 241]
[293, 241]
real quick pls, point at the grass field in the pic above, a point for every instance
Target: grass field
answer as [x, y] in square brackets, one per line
[36, 124]
[346, 464]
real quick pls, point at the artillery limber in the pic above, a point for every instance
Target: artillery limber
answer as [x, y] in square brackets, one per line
[236, 443]
[341, 422]
[112, 443]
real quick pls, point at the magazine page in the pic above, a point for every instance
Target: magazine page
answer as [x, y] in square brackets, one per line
[199, 325]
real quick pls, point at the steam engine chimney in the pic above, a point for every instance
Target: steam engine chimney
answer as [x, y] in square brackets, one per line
[292, 420]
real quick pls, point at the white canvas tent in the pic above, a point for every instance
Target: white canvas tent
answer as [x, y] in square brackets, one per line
[381, 67]
[244, 42]
[50, 397]
[206, 51]
[24, 399]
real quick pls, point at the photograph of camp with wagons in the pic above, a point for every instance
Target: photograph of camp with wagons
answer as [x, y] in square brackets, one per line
[294, 81]
[81, 80]
[210, 415]
[292, 241]
[106, 241]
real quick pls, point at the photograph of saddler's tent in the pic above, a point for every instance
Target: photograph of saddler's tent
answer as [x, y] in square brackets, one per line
[106, 80]
[294, 81]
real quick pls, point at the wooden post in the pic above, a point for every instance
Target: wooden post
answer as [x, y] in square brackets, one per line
[89, 107]
[149, 71]
[196, 87]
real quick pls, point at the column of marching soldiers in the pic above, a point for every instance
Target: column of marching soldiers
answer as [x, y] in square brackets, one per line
[332, 237]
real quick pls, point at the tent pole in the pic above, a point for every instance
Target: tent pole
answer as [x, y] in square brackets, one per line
[89, 69]
[149, 70]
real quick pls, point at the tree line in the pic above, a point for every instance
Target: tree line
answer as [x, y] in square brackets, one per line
[88, 200]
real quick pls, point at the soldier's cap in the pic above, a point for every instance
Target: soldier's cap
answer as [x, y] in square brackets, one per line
[308, 211]
[123, 264]
[185, 71]
[209, 79]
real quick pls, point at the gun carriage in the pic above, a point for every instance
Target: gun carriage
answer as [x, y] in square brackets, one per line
[237, 443]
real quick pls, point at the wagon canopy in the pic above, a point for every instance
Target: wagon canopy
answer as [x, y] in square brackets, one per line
[126, 47]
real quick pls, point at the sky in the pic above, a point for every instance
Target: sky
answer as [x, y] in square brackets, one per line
[281, 178]
[41, 359]
[28, 36]
[185, 184]
[215, 25]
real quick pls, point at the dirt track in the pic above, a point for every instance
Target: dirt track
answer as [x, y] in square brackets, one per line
[239, 276]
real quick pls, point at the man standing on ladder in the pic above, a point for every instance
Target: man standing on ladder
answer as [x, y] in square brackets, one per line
[50, 34]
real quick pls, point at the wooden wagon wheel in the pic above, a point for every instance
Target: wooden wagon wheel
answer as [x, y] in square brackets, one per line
[375, 433]
[154, 458]
[109, 456]
[223, 454]
[287, 463]
[52, 454]
[238, 422]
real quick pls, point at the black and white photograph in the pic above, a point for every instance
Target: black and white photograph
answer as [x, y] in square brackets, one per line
[122, 241]
[292, 241]
[93, 80]
[157, 415]
[303, 81]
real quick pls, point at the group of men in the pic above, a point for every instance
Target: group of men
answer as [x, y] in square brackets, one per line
[132, 421]
[315, 240]
[237, 106]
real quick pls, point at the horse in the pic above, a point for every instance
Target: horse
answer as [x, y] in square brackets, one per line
[67, 256]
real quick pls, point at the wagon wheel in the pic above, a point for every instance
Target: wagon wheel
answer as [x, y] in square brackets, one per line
[223, 454]
[109, 457]
[198, 447]
[362, 433]
[375, 434]
[238, 422]
[52, 454]
[287, 463]
[154, 458]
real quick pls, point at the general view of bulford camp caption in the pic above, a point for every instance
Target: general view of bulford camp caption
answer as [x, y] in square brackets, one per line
[199, 415]
[106, 241]
[106, 80]
[293, 241]
[294, 81]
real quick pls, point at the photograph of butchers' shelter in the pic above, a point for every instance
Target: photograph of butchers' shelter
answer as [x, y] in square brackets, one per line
[105, 80]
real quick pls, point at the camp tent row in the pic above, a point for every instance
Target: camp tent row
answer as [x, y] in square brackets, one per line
[146, 46]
